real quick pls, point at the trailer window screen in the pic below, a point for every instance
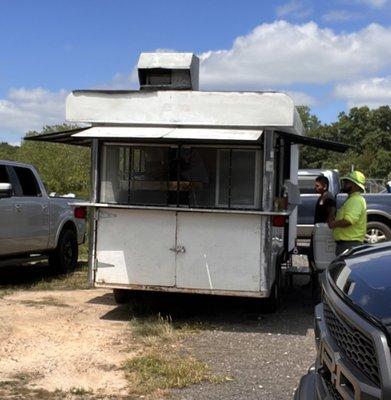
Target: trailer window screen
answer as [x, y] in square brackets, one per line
[237, 178]
[181, 176]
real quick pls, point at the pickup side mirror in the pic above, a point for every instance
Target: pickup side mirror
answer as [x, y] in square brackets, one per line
[5, 190]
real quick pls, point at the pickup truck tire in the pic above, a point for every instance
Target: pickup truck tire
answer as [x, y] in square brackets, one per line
[64, 257]
[377, 232]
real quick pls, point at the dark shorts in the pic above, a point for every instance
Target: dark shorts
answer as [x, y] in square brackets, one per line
[343, 245]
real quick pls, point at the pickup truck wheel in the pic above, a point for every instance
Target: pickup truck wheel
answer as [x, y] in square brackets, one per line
[377, 232]
[64, 257]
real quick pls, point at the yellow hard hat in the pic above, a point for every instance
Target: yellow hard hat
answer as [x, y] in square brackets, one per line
[356, 177]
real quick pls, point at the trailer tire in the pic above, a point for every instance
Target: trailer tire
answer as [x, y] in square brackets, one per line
[273, 303]
[121, 296]
[377, 232]
[64, 257]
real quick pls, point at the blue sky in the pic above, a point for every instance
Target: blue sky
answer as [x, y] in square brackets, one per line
[330, 55]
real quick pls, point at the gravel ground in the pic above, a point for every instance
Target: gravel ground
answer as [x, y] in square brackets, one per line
[264, 354]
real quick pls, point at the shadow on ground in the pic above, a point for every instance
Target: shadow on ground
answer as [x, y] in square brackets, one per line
[294, 317]
[30, 275]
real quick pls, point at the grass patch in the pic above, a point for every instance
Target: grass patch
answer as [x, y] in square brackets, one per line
[83, 251]
[150, 372]
[41, 277]
[163, 328]
[153, 326]
[161, 362]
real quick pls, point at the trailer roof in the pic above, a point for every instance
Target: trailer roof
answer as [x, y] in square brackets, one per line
[180, 108]
[182, 115]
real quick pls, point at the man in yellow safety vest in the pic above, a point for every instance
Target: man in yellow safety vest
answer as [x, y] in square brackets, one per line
[350, 224]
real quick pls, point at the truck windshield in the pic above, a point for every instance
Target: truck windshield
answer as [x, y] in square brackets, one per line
[182, 176]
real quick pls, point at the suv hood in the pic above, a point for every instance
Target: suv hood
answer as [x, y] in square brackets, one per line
[364, 278]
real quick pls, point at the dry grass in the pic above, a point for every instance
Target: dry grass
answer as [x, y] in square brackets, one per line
[150, 372]
[161, 362]
[153, 327]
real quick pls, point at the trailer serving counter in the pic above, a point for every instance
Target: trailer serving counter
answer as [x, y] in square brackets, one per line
[192, 191]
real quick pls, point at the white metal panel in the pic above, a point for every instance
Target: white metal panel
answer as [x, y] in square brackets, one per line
[222, 252]
[133, 247]
[220, 109]
[169, 133]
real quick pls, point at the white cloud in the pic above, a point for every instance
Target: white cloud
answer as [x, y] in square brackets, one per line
[372, 92]
[340, 16]
[294, 8]
[281, 53]
[302, 99]
[30, 109]
[374, 3]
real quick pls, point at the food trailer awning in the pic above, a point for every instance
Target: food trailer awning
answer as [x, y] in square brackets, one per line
[169, 133]
[83, 136]
[62, 137]
[315, 142]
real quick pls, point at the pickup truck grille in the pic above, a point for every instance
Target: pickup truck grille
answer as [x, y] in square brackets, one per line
[356, 346]
[333, 391]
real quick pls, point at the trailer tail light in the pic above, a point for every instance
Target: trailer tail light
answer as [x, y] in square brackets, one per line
[80, 212]
[278, 221]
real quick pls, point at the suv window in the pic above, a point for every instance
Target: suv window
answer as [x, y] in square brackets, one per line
[27, 181]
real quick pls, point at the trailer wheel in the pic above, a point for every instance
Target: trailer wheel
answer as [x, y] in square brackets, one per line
[121, 296]
[377, 232]
[273, 303]
[64, 257]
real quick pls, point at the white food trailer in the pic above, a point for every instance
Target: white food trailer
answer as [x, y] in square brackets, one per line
[192, 191]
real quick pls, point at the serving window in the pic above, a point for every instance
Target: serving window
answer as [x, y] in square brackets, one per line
[181, 176]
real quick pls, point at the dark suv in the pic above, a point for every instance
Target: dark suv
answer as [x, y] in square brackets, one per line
[353, 329]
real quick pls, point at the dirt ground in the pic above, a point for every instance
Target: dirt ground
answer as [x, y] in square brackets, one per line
[63, 340]
[71, 344]
[76, 342]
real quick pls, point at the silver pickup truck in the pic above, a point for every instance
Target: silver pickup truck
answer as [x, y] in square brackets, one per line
[34, 225]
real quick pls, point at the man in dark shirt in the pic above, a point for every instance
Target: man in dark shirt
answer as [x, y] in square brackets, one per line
[325, 206]
[324, 211]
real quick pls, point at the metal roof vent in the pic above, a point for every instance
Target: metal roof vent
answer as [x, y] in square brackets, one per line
[168, 71]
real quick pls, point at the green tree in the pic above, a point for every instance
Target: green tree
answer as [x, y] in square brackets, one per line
[63, 168]
[367, 131]
[8, 152]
